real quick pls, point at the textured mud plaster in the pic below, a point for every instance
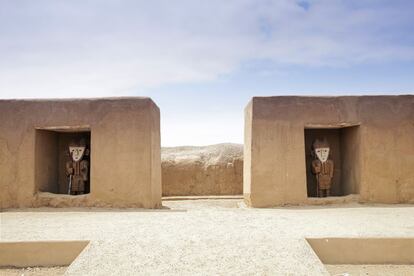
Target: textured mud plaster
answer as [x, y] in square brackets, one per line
[202, 171]
[125, 150]
[377, 152]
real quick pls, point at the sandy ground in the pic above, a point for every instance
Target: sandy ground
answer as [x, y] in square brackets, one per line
[204, 236]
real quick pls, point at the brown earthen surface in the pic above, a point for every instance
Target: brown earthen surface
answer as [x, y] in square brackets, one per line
[34, 271]
[202, 171]
[40, 253]
[377, 147]
[125, 150]
[359, 251]
[370, 270]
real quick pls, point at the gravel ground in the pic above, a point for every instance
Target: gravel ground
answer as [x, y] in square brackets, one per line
[207, 237]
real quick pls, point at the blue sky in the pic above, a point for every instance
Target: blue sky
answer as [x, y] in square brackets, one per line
[202, 61]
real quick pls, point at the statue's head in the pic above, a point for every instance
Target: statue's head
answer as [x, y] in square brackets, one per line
[77, 150]
[321, 149]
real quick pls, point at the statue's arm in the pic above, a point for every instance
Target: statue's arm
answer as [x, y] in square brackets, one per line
[316, 167]
[332, 169]
[84, 169]
[69, 168]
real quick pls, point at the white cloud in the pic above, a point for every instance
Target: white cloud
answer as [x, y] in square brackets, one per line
[102, 48]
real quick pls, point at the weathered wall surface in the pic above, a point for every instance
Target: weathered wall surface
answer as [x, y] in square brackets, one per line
[202, 171]
[382, 145]
[125, 142]
[47, 156]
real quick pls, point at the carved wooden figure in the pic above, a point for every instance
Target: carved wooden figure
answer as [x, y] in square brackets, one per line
[77, 168]
[322, 167]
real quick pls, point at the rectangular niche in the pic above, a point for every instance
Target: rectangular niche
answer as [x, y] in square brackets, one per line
[51, 155]
[345, 153]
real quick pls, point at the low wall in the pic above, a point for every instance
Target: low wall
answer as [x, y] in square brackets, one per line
[40, 253]
[363, 251]
[202, 171]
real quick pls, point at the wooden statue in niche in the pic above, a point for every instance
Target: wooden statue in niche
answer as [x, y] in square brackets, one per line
[77, 169]
[322, 167]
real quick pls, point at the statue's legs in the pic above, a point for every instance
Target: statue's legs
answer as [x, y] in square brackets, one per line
[323, 193]
[78, 186]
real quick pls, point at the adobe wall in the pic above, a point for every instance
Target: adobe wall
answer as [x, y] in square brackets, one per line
[125, 150]
[202, 171]
[377, 152]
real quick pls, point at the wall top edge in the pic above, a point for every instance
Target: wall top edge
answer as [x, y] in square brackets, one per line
[332, 96]
[76, 99]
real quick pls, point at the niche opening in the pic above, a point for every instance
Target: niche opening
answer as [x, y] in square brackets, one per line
[344, 152]
[52, 155]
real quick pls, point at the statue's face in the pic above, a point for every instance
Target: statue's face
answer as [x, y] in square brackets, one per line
[322, 154]
[76, 153]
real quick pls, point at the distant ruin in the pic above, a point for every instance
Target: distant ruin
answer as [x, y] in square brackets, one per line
[202, 171]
